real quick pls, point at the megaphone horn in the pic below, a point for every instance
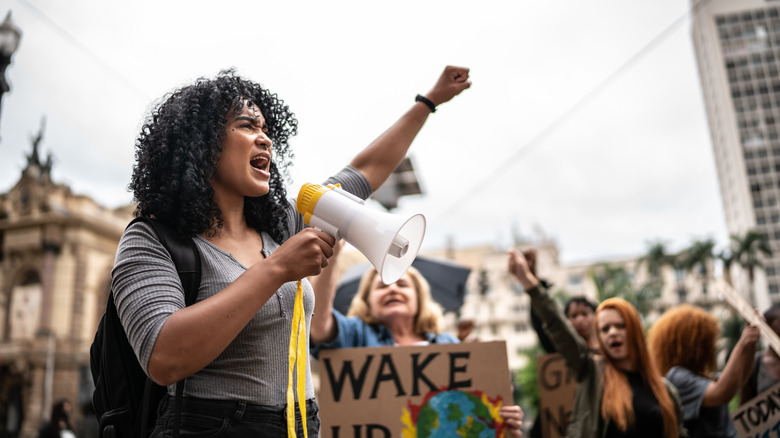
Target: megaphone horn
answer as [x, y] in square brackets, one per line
[388, 241]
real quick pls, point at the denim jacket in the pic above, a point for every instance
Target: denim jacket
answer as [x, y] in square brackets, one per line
[354, 332]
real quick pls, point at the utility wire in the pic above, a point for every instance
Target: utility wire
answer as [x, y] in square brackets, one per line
[86, 50]
[505, 164]
[572, 110]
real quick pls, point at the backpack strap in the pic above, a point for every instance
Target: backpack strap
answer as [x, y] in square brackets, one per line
[186, 258]
[184, 254]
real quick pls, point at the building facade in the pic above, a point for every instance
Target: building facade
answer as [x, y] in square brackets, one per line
[737, 47]
[56, 254]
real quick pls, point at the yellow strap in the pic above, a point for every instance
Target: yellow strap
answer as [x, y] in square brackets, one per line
[297, 359]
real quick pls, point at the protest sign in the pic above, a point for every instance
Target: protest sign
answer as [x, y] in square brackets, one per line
[383, 392]
[746, 310]
[760, 417]
[557, 389]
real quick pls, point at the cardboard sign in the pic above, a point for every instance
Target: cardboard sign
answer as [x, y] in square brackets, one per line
[760, 417]
[557, 389]
[383, 392]
[746, 310]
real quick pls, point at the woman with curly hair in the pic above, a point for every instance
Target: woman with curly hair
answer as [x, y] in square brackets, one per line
[210, 161]
[620, 393]
[684, 342]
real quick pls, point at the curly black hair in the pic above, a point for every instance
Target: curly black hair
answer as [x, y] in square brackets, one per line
[180, 143]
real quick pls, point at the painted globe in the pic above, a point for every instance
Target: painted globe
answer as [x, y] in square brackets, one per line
[455, 414]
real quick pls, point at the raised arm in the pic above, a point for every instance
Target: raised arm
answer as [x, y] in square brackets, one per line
[566, 340]
[737, 370]
[323, 324]
[380, 158]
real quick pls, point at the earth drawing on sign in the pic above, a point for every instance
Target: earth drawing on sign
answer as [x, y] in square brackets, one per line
[452, 413]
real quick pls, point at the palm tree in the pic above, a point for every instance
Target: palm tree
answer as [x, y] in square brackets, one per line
[616, 281]
[611, 281]
[656, 258]
[697, 257]
[727, 257]
[747, 252]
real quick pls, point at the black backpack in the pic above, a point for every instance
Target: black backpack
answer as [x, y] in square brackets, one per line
[125, 399]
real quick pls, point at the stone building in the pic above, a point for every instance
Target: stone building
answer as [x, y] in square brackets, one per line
[56, 253]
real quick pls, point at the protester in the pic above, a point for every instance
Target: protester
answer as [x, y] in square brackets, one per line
[401, 313]
[579, 310]
[684, 342]
[620, 393]
[59, 425]
[88, 427]
[766, 367]
[210, 160]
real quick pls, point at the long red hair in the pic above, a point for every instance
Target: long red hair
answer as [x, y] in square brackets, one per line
[617, 401]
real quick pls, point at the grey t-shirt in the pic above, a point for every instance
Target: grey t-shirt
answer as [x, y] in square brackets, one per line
[254, 367]
[701, 421]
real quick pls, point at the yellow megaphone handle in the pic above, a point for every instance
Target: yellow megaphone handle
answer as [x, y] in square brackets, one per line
[297, 359]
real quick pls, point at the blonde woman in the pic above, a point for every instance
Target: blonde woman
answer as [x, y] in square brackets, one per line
[400, 313]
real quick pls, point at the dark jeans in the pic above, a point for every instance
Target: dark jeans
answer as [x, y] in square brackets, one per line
[225, 418]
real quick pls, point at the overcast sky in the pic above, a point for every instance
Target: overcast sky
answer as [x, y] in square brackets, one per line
[575, 124]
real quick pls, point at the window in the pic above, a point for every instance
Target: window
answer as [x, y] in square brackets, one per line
[25, 309]
[682, 294]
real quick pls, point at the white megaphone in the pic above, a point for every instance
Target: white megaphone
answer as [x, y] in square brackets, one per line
[388, 241]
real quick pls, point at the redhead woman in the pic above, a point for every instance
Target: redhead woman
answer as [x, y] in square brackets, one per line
[620, 393]
[684, 342]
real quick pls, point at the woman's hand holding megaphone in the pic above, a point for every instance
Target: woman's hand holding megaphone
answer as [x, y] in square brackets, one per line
[303, 254]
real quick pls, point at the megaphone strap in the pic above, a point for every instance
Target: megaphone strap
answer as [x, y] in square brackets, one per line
[297, 362]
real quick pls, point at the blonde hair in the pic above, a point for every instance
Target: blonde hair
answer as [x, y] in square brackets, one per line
[685, 336]
[617, 400]
[429, 317]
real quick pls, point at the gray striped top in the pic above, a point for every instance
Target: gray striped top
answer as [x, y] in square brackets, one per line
[253, 367]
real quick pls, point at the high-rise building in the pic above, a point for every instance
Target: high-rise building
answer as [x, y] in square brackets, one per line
[737, 45]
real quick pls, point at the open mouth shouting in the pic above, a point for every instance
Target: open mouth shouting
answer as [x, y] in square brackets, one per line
[261, 162]
[615, 346]
[393, 300]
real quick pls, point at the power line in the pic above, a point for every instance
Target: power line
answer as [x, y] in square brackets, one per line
[85, 50]
[572, 110]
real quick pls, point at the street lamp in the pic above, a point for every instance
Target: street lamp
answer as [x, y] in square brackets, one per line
[9, 42]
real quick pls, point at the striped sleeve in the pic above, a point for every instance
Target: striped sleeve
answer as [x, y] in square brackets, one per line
[350, 179]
